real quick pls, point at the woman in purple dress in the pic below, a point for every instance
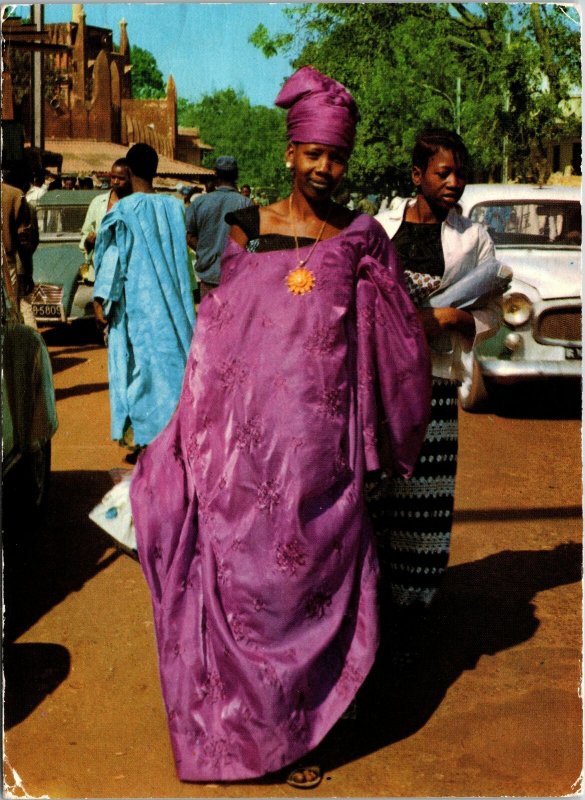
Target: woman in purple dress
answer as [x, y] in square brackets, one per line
[249, 507]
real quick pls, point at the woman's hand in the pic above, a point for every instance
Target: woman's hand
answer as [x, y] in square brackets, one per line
[443, 320]
[90, 241]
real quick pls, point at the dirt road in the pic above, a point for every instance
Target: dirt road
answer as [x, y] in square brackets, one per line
[494, 710]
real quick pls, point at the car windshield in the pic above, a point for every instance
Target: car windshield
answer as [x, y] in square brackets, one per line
[61, 219]
[521, 223]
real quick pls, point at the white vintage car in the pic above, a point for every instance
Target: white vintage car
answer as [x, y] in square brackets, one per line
[537, 232]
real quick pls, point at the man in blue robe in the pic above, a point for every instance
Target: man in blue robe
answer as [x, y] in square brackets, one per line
[143, 293]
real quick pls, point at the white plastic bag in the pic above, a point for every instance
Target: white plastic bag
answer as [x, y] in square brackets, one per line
[114, 515]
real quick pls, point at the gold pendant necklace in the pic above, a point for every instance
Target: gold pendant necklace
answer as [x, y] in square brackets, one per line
[301, 280]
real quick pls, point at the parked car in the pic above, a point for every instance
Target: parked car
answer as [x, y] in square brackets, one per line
[29, 417]
[537, 232]
[61, 292]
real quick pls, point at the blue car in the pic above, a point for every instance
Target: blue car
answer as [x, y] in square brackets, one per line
[61, 293]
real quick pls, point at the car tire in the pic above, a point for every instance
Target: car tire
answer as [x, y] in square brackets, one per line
[473, 392]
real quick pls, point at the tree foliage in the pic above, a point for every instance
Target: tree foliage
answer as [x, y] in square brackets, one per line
[147, 79]
[254, 135]
[227, 121]
[499, 72]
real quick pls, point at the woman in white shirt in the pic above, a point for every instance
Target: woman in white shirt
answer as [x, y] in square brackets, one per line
[440, 251]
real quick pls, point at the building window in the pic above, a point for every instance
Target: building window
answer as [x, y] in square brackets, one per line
[556, 158]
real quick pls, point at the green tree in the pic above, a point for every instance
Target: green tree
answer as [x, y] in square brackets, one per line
[498, 72]
[254, 135]
[147, 79]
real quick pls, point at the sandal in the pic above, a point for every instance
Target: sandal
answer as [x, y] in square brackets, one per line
[305, 777]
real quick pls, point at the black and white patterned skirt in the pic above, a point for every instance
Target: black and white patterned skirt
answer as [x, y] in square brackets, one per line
[412, 518]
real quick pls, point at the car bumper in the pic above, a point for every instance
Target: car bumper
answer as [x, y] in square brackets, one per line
[48, 305]
[503, 371]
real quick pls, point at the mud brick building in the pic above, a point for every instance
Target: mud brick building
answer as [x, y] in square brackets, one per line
[87, 94]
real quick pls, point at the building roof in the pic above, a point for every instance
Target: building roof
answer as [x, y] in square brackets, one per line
[27, 37]
[86, 157]
[194, 133]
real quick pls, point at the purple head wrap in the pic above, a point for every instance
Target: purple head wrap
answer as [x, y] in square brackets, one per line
[319, 109]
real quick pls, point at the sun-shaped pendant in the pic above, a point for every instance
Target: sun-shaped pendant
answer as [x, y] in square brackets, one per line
[300, 280]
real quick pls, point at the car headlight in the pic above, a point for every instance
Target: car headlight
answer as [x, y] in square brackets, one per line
[517, 309]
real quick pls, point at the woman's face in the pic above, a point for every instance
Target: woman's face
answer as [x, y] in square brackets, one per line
[317, 168]
[443, 181]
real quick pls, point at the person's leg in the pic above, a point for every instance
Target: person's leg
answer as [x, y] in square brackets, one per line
[26, 310]
[412, 523]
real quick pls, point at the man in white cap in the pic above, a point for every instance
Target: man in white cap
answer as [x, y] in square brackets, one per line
[207, 229]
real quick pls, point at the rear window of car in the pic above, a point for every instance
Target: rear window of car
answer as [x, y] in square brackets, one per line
[61, 219]
[520, 223]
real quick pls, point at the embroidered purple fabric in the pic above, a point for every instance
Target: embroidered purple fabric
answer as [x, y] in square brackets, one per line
[248, 507]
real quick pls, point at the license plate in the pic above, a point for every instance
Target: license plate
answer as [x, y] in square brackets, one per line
[47, 310]
[47, 302]
[573, 353]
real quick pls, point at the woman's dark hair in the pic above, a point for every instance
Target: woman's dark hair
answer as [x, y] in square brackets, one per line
[431, 140]
[142, 161]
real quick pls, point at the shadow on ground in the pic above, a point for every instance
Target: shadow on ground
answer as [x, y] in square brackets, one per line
[32, 670]
[80, 389]
[539, 399]
[79, 332]
[46, 559]
[519, 514]
[486, 606]
[61, 363]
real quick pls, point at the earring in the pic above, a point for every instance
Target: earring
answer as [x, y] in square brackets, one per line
[288, 165]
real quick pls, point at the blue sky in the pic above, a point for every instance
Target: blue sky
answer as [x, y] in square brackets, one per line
[203, 45]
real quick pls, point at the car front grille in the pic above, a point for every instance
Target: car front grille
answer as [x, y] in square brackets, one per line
[558, 325]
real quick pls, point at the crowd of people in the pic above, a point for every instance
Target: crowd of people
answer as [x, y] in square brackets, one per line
[295, 448]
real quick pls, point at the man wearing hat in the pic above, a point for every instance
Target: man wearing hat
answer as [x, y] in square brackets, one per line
[207, 229]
